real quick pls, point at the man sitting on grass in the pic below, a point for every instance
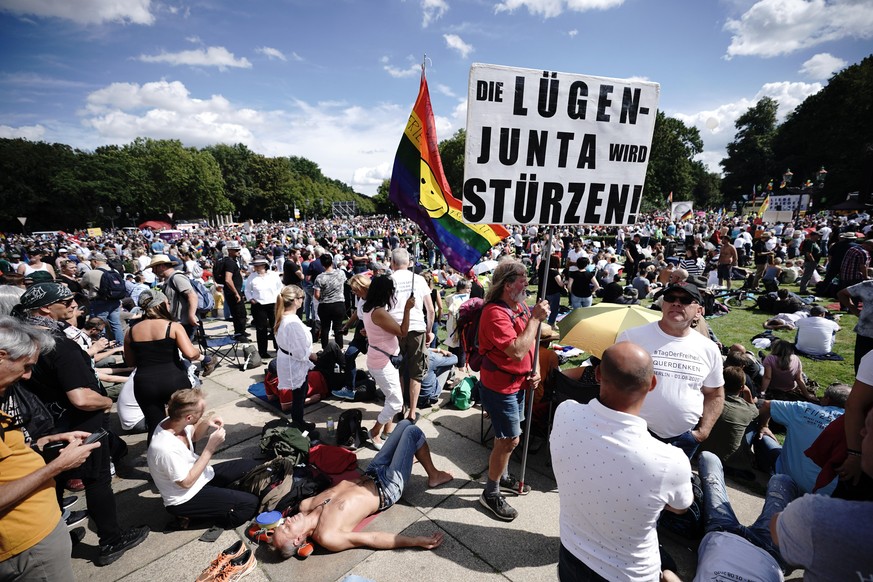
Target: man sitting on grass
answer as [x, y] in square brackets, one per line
[330, 517]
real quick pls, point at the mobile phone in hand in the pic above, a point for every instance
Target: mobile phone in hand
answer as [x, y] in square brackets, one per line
[95, 436]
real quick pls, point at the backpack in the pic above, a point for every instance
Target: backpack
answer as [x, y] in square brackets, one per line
[205, 300]
[349, 432]
[333, 460]
[111, 285]
[462, 393]
[280, 439]
[267, 476]
[218, 270]
[469, 315]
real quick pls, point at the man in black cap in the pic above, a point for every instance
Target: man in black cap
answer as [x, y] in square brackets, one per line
[690, 394]
[105, 298]
[232, 282]
[65, 381]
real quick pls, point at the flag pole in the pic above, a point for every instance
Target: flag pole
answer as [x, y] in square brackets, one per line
[528, 397]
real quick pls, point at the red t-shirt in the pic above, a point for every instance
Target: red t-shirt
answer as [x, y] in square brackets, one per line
[498, 328]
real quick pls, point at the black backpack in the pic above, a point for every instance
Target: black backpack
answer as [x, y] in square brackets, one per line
[111, 285]
[349, 432]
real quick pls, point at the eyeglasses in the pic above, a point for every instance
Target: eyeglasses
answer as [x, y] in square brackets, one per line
[683, 299]
[66, 302]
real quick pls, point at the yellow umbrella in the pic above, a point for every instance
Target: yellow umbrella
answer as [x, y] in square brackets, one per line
[595, 328]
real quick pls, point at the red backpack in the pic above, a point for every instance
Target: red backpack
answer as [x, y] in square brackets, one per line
[469, 314]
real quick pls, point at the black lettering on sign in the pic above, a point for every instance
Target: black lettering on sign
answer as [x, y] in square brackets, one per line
[500, 187]
[635, 203]
[518, 107]
[525, 199]
[536, 148]
[476, 210]
[485, 152]
[620, 152]
[547, 104]
[616, 202]
[576, 101]
[604, 102]
[594, 191]
[565, 138]
[578, 191]
[586, 152]
[489, 91]
[630, 106]
[508, 152]
[550, 209]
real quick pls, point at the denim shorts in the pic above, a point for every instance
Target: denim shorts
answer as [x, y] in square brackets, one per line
[506, 410]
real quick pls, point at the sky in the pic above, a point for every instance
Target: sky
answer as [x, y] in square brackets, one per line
[334, 81]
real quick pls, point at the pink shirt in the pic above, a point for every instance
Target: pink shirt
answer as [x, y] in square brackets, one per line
[385, 341]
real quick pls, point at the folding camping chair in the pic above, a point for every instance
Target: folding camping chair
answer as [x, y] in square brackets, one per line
[565, 388]
[221, 346]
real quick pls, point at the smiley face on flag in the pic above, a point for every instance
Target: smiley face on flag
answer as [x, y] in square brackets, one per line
[431, 196]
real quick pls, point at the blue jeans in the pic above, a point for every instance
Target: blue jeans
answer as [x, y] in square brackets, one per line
[684, 441]
[438, 368]
[576, 301]
[718, 515]
[392, 465]
[554, 305]
[351, 367]
[766, 449]
[308, 305]
[111, 312]
[506, 410]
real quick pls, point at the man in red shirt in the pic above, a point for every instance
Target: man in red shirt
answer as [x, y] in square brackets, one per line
[507, 339]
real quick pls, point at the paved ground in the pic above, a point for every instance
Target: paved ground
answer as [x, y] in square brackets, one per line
[476, 545]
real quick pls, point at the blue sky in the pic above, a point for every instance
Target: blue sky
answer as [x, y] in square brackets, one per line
[335, 80]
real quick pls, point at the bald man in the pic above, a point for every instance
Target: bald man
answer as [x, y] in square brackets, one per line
[614, 478]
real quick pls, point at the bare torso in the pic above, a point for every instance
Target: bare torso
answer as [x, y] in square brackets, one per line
[350, 502]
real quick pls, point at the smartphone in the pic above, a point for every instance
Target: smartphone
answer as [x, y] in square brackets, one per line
[95, 436]
[51, 451]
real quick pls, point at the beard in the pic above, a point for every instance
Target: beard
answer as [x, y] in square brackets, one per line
[520, 297]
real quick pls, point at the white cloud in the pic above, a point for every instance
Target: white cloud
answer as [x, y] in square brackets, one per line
[716, 126]
[454, 42]
[121, 112]
[214, 56]
[271, 53]
[432, 10]
[777, 27]
[553, 8]
[28, 132]
[821, 66]
[84, 11]
[445, 90]
[35, 80]
[411, 70]
[573, 33]
[194, 39]
[296, 57]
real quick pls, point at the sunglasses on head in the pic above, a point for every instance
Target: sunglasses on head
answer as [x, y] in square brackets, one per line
[683, 299]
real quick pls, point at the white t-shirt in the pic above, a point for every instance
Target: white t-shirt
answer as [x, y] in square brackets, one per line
[815, 335]
[614, 479]
[403, 286]
[129, 412]
[170, 461]
[683, 365]
[724, 556]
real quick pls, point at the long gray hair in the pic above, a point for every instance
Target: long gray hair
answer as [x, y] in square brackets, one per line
[507, 271]
[20, 340]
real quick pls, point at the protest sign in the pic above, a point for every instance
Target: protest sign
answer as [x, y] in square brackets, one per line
[555, 148]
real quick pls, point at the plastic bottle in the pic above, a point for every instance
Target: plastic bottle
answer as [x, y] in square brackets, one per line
[330, 426]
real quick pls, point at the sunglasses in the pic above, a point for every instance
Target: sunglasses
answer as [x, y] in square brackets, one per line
[683, 299]
[66, 302]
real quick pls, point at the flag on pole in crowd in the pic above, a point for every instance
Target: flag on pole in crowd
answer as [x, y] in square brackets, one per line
[764, 206]
[688, 215]
[421, 192]
[670, 198]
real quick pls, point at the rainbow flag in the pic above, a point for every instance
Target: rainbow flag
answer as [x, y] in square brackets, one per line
[670, 198]
[421, 192]
[764, 206]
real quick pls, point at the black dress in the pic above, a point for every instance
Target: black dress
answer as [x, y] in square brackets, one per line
[159, 373]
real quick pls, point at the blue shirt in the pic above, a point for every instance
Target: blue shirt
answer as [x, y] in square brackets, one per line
[804, 421]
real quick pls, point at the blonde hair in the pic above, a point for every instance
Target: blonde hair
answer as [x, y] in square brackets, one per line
[183, 402]
[284, 300]
[359, 282]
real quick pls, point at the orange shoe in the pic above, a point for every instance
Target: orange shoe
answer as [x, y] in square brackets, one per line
[237, 568]
[221, 561]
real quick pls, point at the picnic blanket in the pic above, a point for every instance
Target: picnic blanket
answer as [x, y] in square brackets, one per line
[828, 356]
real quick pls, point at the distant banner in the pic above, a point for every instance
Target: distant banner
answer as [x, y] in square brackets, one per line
[95, 232]
[682, 210]
[555, 148]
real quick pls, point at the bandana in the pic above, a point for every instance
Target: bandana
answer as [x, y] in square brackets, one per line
[42, 294]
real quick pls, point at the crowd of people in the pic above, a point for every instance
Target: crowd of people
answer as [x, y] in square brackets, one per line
[669, 394]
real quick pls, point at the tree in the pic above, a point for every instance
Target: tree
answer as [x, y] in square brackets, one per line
[750, 155]
[381, 202]
[452, 156]
[671, 166]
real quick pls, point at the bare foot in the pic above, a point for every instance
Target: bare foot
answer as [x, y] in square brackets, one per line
[439, 478]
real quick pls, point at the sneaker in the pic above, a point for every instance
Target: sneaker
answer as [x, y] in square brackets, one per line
[129, 539]
[498, 506]
[69, 501]
[345, 394]
[237, 568]
[510, 485]
[74, 485]
[75, 518]
[220, 561]
[77, 535]
[209, 364]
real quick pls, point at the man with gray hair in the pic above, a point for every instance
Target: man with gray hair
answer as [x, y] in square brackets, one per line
[414, 345]
[804, 422]
[102, 305]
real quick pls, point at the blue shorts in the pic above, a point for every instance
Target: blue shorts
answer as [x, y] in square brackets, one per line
[506, 410]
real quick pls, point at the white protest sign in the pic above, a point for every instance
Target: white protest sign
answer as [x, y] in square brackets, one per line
[555, 148]
[680, 209]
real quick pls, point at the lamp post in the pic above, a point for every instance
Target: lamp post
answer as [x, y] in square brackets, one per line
[786, 177]
[820, 178]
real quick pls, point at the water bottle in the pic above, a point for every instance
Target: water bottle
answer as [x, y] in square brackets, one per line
[330, 426]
